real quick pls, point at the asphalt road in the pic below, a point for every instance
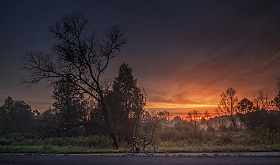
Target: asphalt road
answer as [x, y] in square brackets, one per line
[133, 160]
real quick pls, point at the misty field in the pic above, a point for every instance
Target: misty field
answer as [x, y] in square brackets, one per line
[263, 141]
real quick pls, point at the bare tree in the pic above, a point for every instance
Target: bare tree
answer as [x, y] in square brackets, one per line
[207, 117]
[261, 101]
[228, 104]
[81, 57]
[165, 116]
[194, 117]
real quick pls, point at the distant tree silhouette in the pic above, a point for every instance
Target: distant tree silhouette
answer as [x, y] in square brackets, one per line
[245, 110]
[81, 57]
[194, 117]
[228, 104]
[260, 113]
[261, 101]
[276, 100]
[177, 119]
[165, 115]
[207, 116]
[16, 117]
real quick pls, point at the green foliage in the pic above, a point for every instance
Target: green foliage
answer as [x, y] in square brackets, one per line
[47, 150]
[92, 141]
[19, 140]
[260, 137]
[261, 140]
[4, 141]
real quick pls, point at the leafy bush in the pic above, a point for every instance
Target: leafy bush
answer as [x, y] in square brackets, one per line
[4, 141]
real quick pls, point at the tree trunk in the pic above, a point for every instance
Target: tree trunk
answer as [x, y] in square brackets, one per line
[107, 121]
[136, 124]
[114, 140]
[127, 129]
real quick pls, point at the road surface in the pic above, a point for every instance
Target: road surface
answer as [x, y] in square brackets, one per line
[134, 160]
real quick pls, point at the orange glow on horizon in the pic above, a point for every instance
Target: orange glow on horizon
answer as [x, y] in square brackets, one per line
[178, 109]
[174, 105]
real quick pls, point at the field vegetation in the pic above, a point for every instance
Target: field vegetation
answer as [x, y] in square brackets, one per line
[258, 141]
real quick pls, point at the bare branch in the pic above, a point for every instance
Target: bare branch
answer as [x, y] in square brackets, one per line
[80, 56]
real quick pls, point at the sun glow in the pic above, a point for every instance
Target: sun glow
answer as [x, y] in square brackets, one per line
[174, 105]
[179, 109]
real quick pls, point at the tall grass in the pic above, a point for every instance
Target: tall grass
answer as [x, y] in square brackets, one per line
[56, 145]
[52, 149]
[92, 141]
[260, 140]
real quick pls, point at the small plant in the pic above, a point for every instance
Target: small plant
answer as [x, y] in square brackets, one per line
[166, 154]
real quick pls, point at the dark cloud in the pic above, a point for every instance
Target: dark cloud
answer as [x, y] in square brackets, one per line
[181, 52]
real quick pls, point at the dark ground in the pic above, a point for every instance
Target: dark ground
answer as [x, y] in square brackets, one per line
[134, 160]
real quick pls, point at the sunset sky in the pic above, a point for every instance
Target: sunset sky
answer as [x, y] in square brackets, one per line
[184, 53]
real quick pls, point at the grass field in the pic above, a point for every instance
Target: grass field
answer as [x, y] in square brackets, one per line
[53, 149]
[190, 148]
[257, 142]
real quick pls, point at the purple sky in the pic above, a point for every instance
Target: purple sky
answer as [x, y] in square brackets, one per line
[184, 53]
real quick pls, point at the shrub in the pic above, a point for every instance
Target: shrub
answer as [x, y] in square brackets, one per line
[4, 141]
[56, 141]
[260, 137]
[225, 139]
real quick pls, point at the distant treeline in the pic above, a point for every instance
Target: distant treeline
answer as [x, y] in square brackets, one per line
[73, 116]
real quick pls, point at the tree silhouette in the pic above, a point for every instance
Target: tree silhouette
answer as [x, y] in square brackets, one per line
[228, 104]
[70, 107]
[194, 117]
[245, 113]
[79, 56]
[261, 101]
[125, 103]
[276, 100]
[207, 116]
[16, 117]
[165, 115]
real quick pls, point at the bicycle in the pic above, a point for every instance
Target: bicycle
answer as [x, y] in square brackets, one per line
[148, 148]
